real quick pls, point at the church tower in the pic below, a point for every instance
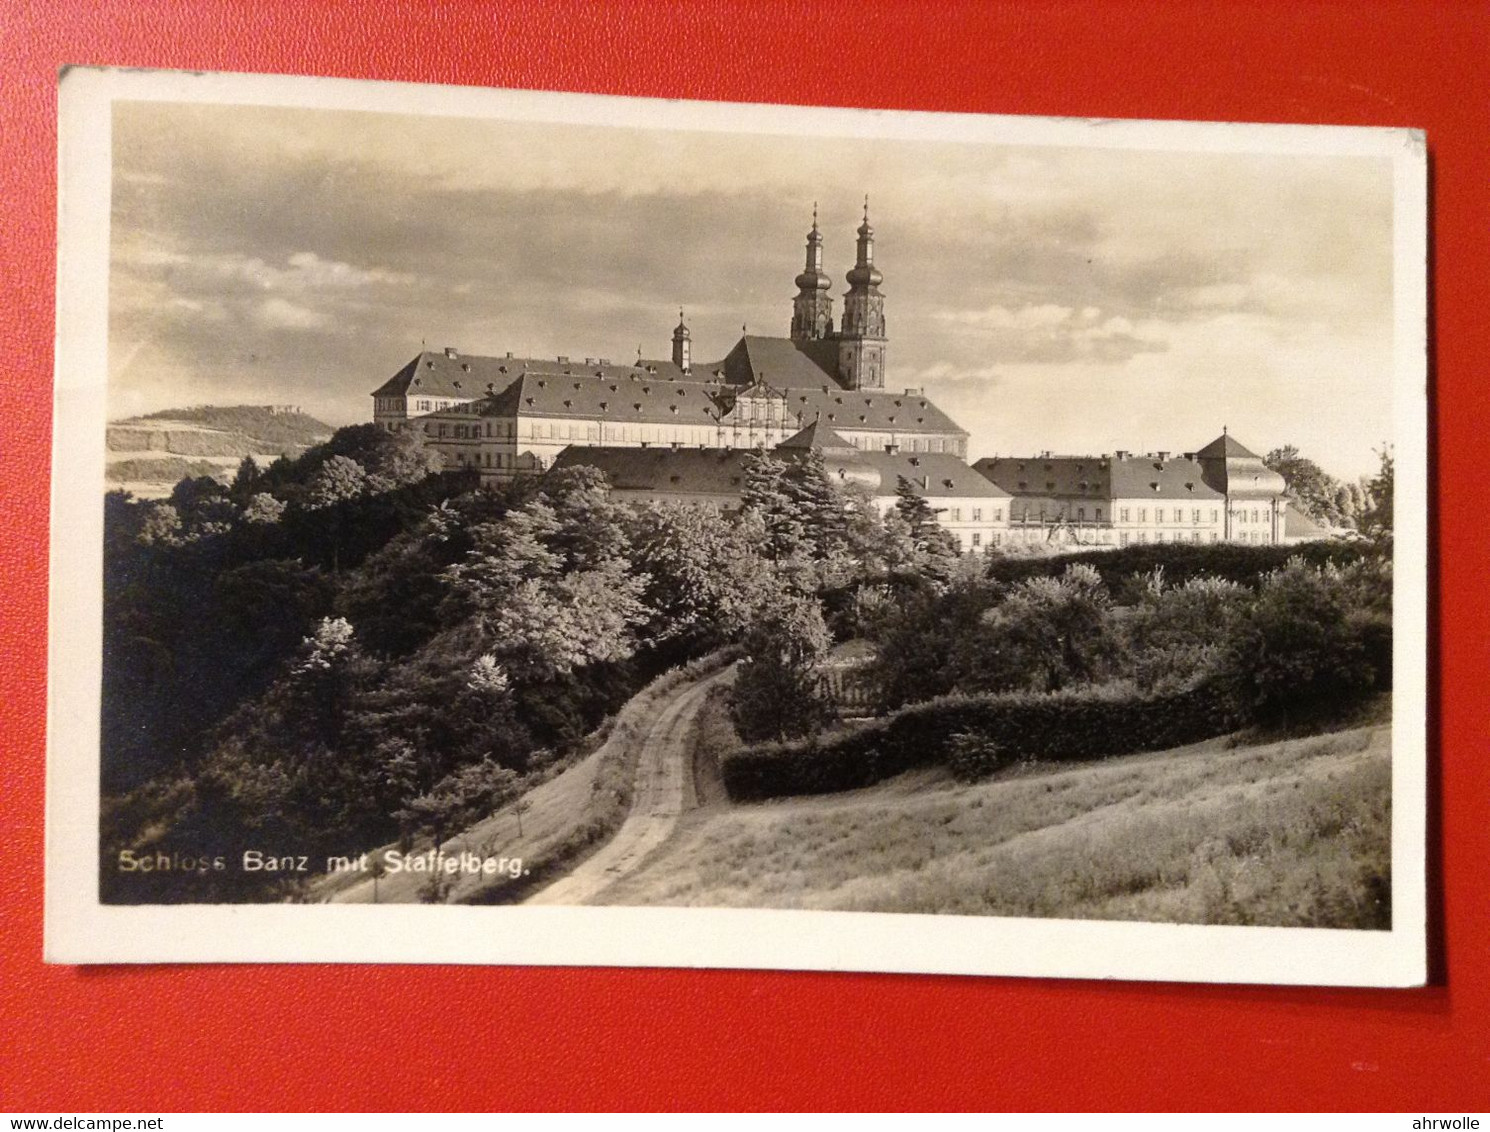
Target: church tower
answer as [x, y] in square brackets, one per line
[812, 309]
[861, 336]
[682, 345]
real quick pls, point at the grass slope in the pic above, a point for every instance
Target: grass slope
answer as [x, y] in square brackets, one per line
[1293, 832]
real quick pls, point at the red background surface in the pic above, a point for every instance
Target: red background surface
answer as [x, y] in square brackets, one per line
[393, 1037]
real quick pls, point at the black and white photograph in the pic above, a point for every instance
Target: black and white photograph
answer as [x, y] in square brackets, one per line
[540, 528]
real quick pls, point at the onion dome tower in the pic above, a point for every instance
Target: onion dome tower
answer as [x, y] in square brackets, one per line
[812, 309]
[682, 345]
[861, 336]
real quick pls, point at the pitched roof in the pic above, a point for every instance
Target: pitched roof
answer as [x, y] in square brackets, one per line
[1297, 525]
[935, 474]
[1099, 477]
[1225, 446]
[1179, 477]
[817, 435]
[876, 410]
[703, 471]
[439, 373]
[785, 363]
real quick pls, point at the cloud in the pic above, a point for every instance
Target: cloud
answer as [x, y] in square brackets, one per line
[308, 255]
[282, 314]
[1049, 333]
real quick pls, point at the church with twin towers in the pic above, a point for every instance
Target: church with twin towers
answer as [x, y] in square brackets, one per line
[678, 430]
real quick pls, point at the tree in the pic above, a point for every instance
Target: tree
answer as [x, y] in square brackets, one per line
[1049, 633]
[338, 480]
[263, 508]
[779, 692]
[707, 580]
[1376, 519]
[245, 480]
[1316, 493]
[767, 494]
[462, 797]
[820, 505]
[935, 549]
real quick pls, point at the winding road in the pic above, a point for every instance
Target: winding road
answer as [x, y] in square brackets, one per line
[664, 790]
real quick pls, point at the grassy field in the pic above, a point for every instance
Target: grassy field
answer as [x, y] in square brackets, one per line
[1292, 832]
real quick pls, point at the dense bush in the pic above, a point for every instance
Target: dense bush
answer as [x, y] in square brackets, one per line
[971, 756]
[1069, 725]
[1125, 570]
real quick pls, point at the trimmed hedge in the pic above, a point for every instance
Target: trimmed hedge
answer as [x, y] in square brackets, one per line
[1073, 726]
[1181, 561]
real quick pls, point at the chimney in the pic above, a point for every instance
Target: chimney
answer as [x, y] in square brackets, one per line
[1121, 454]
[1162, 456]
[450, 352]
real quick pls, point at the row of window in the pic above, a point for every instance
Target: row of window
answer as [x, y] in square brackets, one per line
[1177, 514]
[954, 514]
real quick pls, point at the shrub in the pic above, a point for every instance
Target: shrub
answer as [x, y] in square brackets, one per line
[971, 756]
[1078, 724]
[1125, 569]
[1308, 640]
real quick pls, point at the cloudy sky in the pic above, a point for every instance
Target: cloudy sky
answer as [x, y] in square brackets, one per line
[1072, 299]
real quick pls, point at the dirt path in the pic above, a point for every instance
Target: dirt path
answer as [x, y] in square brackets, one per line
[664, 789]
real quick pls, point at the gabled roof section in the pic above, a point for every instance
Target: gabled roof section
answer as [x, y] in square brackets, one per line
[817, 435]
[1225, 446]
[1079, 477]
[1148, 477]
[692, 471]
[784, 363]
[934, 474]
[439, 374]
[850, 410]
[1297, 525]
[448, 373]
[624, 397]
[1100, 477]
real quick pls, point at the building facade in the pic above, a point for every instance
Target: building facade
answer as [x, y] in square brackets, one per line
[969, 506]
[1222, 493]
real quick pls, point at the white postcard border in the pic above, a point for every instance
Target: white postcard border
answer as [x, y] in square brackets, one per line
[78, 929]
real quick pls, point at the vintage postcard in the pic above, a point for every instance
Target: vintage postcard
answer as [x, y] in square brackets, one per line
[499, 527]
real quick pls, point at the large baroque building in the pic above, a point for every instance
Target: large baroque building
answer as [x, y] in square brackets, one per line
[678, 429]
[971, 507]
[1220, 493]
[510, 415]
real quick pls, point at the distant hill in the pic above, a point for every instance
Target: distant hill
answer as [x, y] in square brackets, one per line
[148, 455]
